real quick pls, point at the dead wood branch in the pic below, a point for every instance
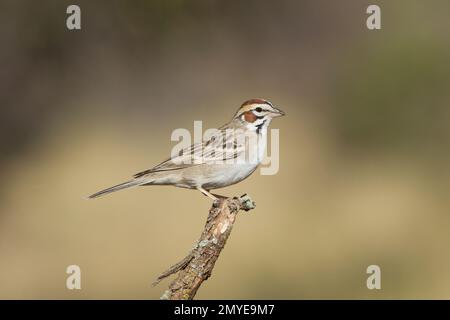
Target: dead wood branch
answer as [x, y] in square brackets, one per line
[197, 266]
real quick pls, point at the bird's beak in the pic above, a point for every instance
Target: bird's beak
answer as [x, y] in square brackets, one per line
[278, 113]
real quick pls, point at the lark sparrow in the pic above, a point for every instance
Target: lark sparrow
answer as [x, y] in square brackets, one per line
[227, 157]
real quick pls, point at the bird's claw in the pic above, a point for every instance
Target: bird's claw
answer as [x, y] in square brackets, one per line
[216, 203]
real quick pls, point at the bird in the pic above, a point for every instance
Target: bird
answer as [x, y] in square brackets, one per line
[229, 155]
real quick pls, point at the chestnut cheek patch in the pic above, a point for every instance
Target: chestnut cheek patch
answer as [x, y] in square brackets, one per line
[250, 117]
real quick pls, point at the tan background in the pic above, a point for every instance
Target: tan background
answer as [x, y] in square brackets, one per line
[364, 166]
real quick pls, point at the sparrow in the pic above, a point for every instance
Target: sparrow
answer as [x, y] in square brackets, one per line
[229, 155]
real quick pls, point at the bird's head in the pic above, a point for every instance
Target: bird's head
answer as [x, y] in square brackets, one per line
[257, 113]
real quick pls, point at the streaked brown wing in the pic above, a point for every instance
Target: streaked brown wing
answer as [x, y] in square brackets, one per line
[208, 151]
[180, 161]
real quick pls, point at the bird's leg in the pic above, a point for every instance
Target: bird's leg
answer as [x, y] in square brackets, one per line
[206, 193]
[219, 196]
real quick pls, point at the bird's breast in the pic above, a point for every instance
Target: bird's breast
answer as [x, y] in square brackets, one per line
[222, 175]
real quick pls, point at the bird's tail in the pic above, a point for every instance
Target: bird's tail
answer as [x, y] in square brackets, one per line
[128, 184]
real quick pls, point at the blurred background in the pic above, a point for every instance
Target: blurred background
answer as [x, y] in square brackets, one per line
[364, 167]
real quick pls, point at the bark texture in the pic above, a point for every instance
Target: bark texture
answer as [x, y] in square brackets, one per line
[197, 266]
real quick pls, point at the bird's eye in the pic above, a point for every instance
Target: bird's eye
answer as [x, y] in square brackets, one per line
[259, 109]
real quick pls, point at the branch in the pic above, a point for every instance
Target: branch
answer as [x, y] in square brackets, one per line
[197, 266]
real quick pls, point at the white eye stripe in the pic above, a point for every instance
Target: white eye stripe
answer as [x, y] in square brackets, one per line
[264, 108]
[261, 113]
[259, 110]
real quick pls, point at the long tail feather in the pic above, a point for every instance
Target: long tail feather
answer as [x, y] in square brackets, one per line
[128, 184]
